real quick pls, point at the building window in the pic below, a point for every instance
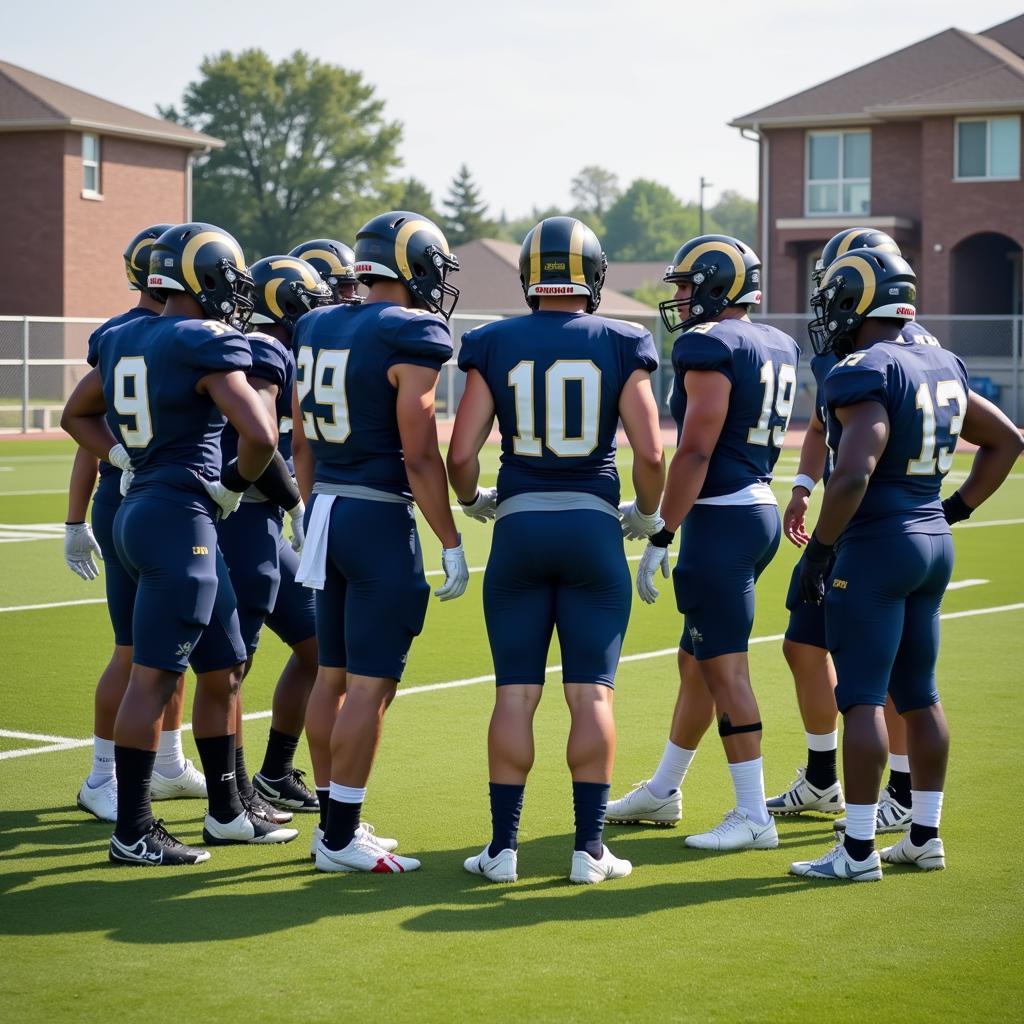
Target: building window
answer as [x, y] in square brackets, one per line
[91, 163]
[988, 147]
[838, 173]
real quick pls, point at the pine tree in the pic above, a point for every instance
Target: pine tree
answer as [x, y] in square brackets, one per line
[464, 210]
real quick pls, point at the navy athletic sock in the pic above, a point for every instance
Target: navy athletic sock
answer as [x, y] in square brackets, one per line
[277, 761]
[858, 849]
[590, 800]
[919, 834]
[342, 822]
[821, 768]
[134, 814]
[242, 780]
[899, 787]
[506, 806]
[218, 756]
[323, 797]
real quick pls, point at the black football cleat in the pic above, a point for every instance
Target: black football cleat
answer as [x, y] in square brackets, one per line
[255, 804]
[157, 848]
[289, 793]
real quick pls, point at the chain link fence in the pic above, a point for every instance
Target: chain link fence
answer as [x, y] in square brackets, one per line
[43, 358]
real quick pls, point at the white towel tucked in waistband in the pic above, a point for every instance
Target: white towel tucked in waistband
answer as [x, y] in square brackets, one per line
[313, 564]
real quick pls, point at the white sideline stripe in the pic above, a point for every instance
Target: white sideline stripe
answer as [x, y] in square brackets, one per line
[960, 584]
[54, 604]
[10, 734]
[987, 522]
[29, 494]
[70, 744]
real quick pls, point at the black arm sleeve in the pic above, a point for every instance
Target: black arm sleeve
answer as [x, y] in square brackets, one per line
[275, 483]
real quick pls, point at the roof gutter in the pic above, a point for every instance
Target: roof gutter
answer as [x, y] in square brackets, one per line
[80, 124]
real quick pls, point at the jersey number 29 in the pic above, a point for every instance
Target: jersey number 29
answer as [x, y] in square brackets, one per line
[325, 377]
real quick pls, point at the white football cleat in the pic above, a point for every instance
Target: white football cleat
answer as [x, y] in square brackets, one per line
[802, 796]
[737, 831]
[189, 785]
[365, 829]
[246, 828]
[587, 871]
[641, 806]
[838, 865]
[101, 801]
[363, 855]
[501, 868]
[929, 857]
[891, 816]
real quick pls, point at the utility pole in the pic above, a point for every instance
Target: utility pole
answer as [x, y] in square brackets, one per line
[704, 184]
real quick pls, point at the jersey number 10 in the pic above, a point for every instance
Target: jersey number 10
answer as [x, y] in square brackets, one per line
[556, 437]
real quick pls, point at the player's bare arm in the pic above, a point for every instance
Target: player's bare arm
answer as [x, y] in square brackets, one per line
[83, 417]
[639, 413]
[248, 414]
[473, 424]
[812, 466]
[302, 454]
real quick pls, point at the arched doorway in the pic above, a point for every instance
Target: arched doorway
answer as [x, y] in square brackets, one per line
[987, 271]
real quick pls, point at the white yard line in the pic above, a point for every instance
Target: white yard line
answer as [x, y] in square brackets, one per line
[66, 743]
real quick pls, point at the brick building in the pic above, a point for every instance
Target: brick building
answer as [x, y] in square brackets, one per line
[80, 176]
[925, 144]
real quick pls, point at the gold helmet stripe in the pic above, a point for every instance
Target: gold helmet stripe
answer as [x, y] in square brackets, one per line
[405, 233]
[737, 263]
[847, 243]
[135, 252]
[867, 276]
[270, 295]
[195, 243]
[300, 267]
[328, 257]
[576, 254]
[535, 255]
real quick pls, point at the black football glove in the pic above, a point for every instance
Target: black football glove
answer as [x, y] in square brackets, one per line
[814, 569]
[955, 509]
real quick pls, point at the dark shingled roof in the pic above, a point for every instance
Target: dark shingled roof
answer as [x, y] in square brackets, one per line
[31, 102]
[953, 70]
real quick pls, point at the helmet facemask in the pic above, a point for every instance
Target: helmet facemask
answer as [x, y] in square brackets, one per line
[835, 319]
[703, 303]
[429, 283]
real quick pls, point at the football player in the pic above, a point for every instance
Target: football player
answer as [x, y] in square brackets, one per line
[168, 383]
[735, 382]
[896, 407]
[335, 263]
[260, 561]
[173, 775]
[365, 399]
[817, 787]
[557, 379]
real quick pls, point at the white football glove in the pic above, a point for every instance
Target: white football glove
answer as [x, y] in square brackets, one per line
[637, 525]
[298, 530]
[227, 501]
[484, 506]
[456, 574]
[127, 476]
[118, 456]
[79, 547]
[652, 558]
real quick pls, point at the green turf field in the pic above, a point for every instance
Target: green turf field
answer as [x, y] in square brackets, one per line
[257, 935]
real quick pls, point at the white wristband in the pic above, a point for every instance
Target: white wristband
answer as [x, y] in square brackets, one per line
[803, 480]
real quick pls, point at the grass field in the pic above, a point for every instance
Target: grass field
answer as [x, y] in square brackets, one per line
[256, 934]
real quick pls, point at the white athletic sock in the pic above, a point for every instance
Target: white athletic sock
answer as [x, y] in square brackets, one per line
[861, 820]
[671, 770]
[102, 762]
[748, 781]
[823, 740]
[899, 763]
[927, 808]
[347, 794]
[170, 758]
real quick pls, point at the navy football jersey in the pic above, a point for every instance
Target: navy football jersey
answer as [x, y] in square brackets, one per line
[150, 368]
[924, 391]
[342, 355]
[110, 476]
[760, 362]
[556, 380]
[272, 362]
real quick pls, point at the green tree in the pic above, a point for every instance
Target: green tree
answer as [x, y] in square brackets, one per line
[465, 212]
[414, 196]
[517, 229]
[650, 293]
[648, 222]
[595, 189]
[736, 215]
[308, 148]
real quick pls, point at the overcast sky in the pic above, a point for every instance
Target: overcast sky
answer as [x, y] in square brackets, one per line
[525, 92]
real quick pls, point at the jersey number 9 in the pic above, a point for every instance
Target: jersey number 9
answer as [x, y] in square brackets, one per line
[132, 401]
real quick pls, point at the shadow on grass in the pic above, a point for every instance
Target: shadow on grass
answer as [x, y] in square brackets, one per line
[221, 900]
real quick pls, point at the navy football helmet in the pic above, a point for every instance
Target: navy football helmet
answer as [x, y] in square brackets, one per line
[334, 262]
[862, 284]
[722, 270]
[285, 288]
[136, 256]
[562, 256]
[407, 247]
[203, 261]
[847, 240]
